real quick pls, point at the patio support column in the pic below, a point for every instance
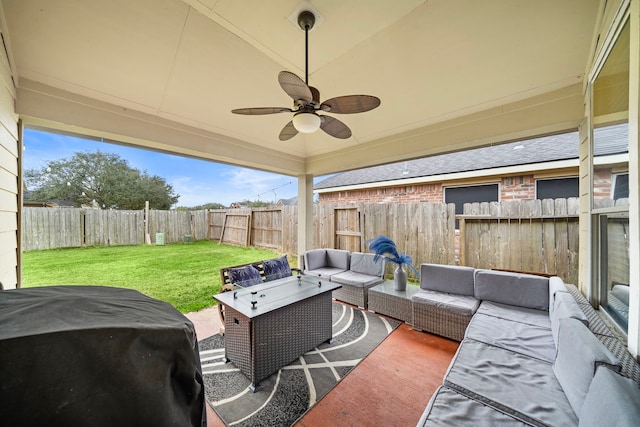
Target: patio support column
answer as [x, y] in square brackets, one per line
[305, 215]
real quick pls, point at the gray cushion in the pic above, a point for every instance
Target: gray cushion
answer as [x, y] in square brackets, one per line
[276, 268]
[523, 290]
[315, 258]
[358, 280]
[520, 386]
[612, 400]
[565, 307]
[528, 340]
[579, 354]
[555, 285]
[460, 304]
[530, 316]
[324, 272]
[449, 408]
[244, 276]
[364, 263]
[447, 278]
[338, 258]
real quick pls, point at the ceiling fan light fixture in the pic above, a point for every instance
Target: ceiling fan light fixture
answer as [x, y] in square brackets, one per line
[306, 122]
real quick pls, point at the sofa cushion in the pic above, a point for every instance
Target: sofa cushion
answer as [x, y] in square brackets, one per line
[338, 258]
[612, 400]
[449, 408]
[520, 386]
[315, 258]
[565, 306]
[518, 337]
[451, 279]
[364, 264]
[358, 280]
[529, 316]
[324, 272]
[579, 354]
[244, 276]
[276, 268]
[523, 290]
[555, 285]
[460, 304]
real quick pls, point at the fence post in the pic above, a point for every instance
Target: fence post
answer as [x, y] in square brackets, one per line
[147, 236]
[461, 243]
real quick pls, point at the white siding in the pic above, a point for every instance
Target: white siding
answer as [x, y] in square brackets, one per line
[9, 170]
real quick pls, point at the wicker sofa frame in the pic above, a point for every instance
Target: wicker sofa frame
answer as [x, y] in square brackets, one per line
[353, 295]
[440, 321]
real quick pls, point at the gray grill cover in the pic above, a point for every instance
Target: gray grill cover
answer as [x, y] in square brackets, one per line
[83, 355]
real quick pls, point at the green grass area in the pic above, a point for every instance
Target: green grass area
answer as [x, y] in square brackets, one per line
[185, 275]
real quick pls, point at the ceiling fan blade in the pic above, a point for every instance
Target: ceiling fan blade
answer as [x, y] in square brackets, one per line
[351, 104]
[256, 111]
[335, 127]
[315, 93]
[288, 132]
[295, 87]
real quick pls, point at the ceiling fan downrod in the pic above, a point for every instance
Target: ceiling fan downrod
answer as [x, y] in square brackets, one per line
[306, 20]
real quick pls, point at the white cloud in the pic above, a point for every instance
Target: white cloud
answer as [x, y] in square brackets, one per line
[233, 185]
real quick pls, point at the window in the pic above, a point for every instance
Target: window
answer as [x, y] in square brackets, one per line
[621, 186]
[610, 181]
[470, 194]
[557, 188]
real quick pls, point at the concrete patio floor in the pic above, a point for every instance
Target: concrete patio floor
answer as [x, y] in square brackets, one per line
[391, 386]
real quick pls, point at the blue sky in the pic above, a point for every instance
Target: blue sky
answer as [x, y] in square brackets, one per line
[196, 181]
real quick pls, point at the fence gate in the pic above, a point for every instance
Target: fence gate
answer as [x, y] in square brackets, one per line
[348, 231]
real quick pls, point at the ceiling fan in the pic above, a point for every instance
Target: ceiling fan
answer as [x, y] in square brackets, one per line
[306, 100]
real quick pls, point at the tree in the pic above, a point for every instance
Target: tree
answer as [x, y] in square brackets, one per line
[212, 205]
[99, 178]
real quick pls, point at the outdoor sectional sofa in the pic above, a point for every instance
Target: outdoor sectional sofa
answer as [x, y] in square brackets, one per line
[527, 356]
[355, 271]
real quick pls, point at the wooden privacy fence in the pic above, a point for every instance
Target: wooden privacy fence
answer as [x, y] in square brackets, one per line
[531, 235]
[262, 227]
[49, 228]
[424, 231]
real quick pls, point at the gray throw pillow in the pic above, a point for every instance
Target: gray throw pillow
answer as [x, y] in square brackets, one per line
[565, 307]
[579, 355]
[612, 400]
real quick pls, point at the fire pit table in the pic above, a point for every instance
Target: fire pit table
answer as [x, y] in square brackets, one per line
[268, 326]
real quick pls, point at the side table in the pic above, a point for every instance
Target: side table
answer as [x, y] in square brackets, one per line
[384, 299]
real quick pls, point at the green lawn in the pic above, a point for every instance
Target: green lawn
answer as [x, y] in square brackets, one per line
[184, 275]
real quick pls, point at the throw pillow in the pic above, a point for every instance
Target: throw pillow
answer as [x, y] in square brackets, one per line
[244, 276]
[276, 268]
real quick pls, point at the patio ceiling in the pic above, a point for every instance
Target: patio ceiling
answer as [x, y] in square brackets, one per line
[166, 74]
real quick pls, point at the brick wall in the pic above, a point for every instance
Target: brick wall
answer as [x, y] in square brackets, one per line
[511, 188]
[602, 184]
[518, 188]
[402, 194]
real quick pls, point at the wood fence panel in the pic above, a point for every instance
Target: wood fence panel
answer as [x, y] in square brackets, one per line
[266, 228]
[348, 235]
[532, 235]
[48, 228]
[289, 229]
[236, 229]
[216, 219]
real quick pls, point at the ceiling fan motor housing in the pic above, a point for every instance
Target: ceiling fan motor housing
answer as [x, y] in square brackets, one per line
[306, 20]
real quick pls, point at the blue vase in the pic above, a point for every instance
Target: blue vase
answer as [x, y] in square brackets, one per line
[400, 278]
